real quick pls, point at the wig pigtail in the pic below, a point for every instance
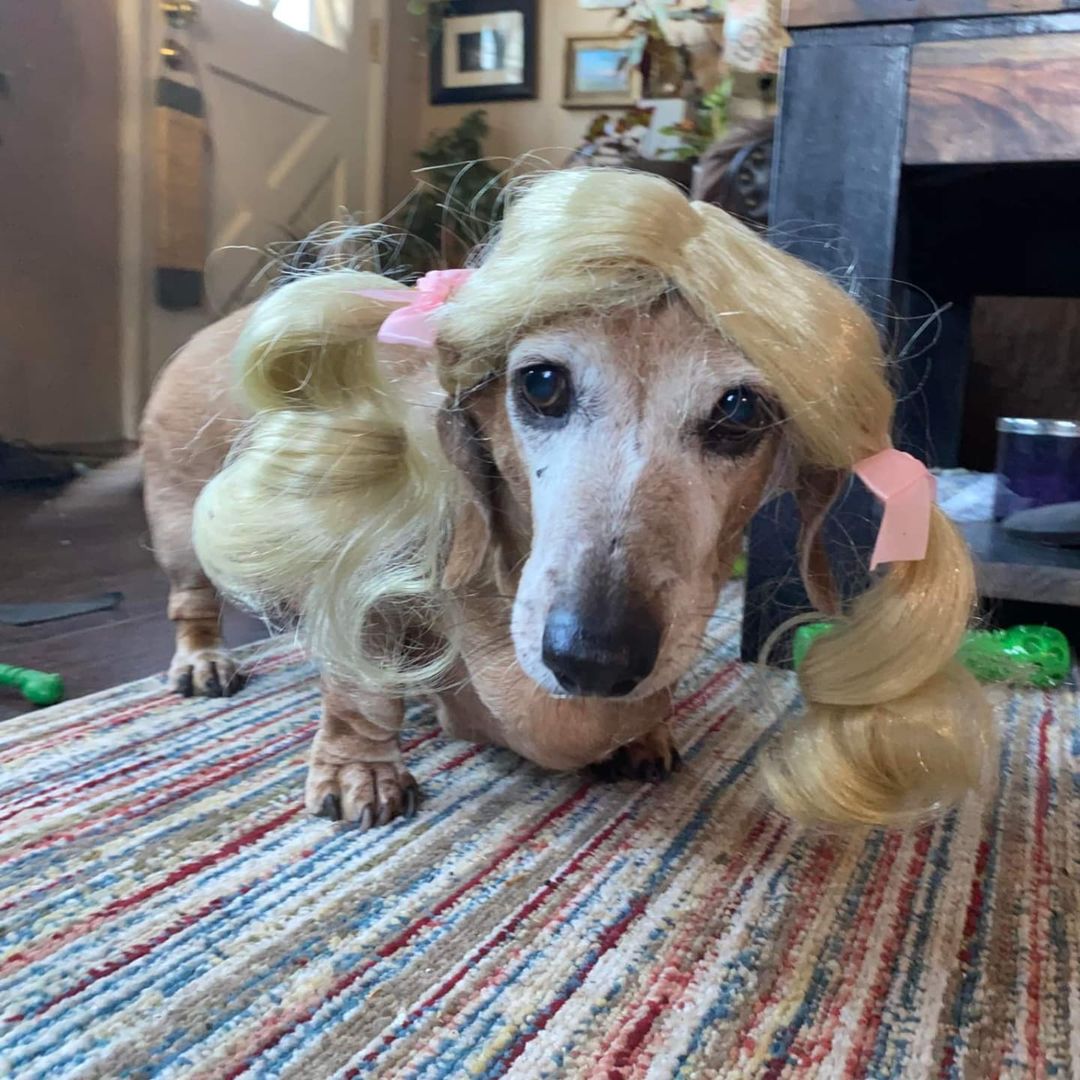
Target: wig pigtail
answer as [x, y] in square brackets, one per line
[332, 506]
[894, 727]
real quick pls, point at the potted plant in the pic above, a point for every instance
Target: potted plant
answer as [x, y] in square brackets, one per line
[457, 200]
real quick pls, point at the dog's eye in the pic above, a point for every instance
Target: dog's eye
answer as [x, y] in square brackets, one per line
[545, 388]
[736, 421]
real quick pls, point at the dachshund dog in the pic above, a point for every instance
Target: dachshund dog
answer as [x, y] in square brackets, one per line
[525, 510]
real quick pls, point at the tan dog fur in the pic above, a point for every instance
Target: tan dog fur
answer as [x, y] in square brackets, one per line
[680, 522]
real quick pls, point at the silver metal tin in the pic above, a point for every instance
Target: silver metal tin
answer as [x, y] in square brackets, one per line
[1018, 426]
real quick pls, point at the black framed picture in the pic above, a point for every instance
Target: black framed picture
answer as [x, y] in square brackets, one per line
[485, 51]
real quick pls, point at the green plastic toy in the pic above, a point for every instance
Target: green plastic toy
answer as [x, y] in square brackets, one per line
[38, 687]
[1024, 655]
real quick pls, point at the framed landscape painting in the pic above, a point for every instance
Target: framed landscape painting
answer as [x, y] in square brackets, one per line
[602, 72]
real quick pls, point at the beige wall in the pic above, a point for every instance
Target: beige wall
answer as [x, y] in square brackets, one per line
[517, 127]
[59, 342]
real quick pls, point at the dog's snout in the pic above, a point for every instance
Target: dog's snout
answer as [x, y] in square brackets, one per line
[600, 653]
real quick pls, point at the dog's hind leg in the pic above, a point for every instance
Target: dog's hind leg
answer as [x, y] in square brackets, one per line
[189, 424]
[201, 663]
[356, 772]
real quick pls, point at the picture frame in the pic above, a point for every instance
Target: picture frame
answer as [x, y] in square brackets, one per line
[484, 50]
[601, 71]
[600, 5]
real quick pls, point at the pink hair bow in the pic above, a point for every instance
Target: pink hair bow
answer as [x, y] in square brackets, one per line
[411, 324]
[906, 490]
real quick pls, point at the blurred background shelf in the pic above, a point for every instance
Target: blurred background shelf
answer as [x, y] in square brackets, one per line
[1013, 569]
[1008, 567]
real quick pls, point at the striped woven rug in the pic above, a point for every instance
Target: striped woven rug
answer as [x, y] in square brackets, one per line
[167, 909]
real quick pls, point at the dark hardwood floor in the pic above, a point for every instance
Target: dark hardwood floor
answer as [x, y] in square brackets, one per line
[46, 556]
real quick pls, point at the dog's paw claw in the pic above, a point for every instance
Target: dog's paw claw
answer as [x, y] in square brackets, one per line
[366, 794]
[650, 771]
[213, 684]
[205, 673]
[604, 771]
[648, 759]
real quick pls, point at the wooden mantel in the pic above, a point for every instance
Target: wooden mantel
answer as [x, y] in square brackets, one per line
[988, 81]
[800, 13]
[995, 100]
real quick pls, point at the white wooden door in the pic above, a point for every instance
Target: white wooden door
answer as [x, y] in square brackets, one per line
[291, 93]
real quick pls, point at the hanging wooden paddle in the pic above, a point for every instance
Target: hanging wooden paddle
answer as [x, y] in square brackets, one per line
[182, 174]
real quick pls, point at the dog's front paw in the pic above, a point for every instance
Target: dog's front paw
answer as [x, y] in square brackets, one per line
[206, 672]
[652, 757]
[369, 794]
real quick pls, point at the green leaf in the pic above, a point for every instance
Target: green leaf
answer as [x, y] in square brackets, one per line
[458, 198]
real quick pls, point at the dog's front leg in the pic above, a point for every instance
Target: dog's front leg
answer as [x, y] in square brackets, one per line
[356, 771]
[652, 757]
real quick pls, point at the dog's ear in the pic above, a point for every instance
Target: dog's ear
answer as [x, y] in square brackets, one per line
[815, 491]
[472, 528]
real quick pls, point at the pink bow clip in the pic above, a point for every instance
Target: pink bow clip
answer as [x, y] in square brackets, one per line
[411, 325]
[906, 490]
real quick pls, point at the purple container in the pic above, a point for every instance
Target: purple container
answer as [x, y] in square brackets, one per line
[1038, 464]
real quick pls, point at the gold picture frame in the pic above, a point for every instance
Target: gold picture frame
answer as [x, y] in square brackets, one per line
[601, 72]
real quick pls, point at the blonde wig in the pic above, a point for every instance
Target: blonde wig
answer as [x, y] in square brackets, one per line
[339, 489]
[334, 506]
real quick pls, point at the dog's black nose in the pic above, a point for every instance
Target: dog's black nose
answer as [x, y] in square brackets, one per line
[600, 654]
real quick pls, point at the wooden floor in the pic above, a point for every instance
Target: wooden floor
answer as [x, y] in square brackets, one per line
[45, 556]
